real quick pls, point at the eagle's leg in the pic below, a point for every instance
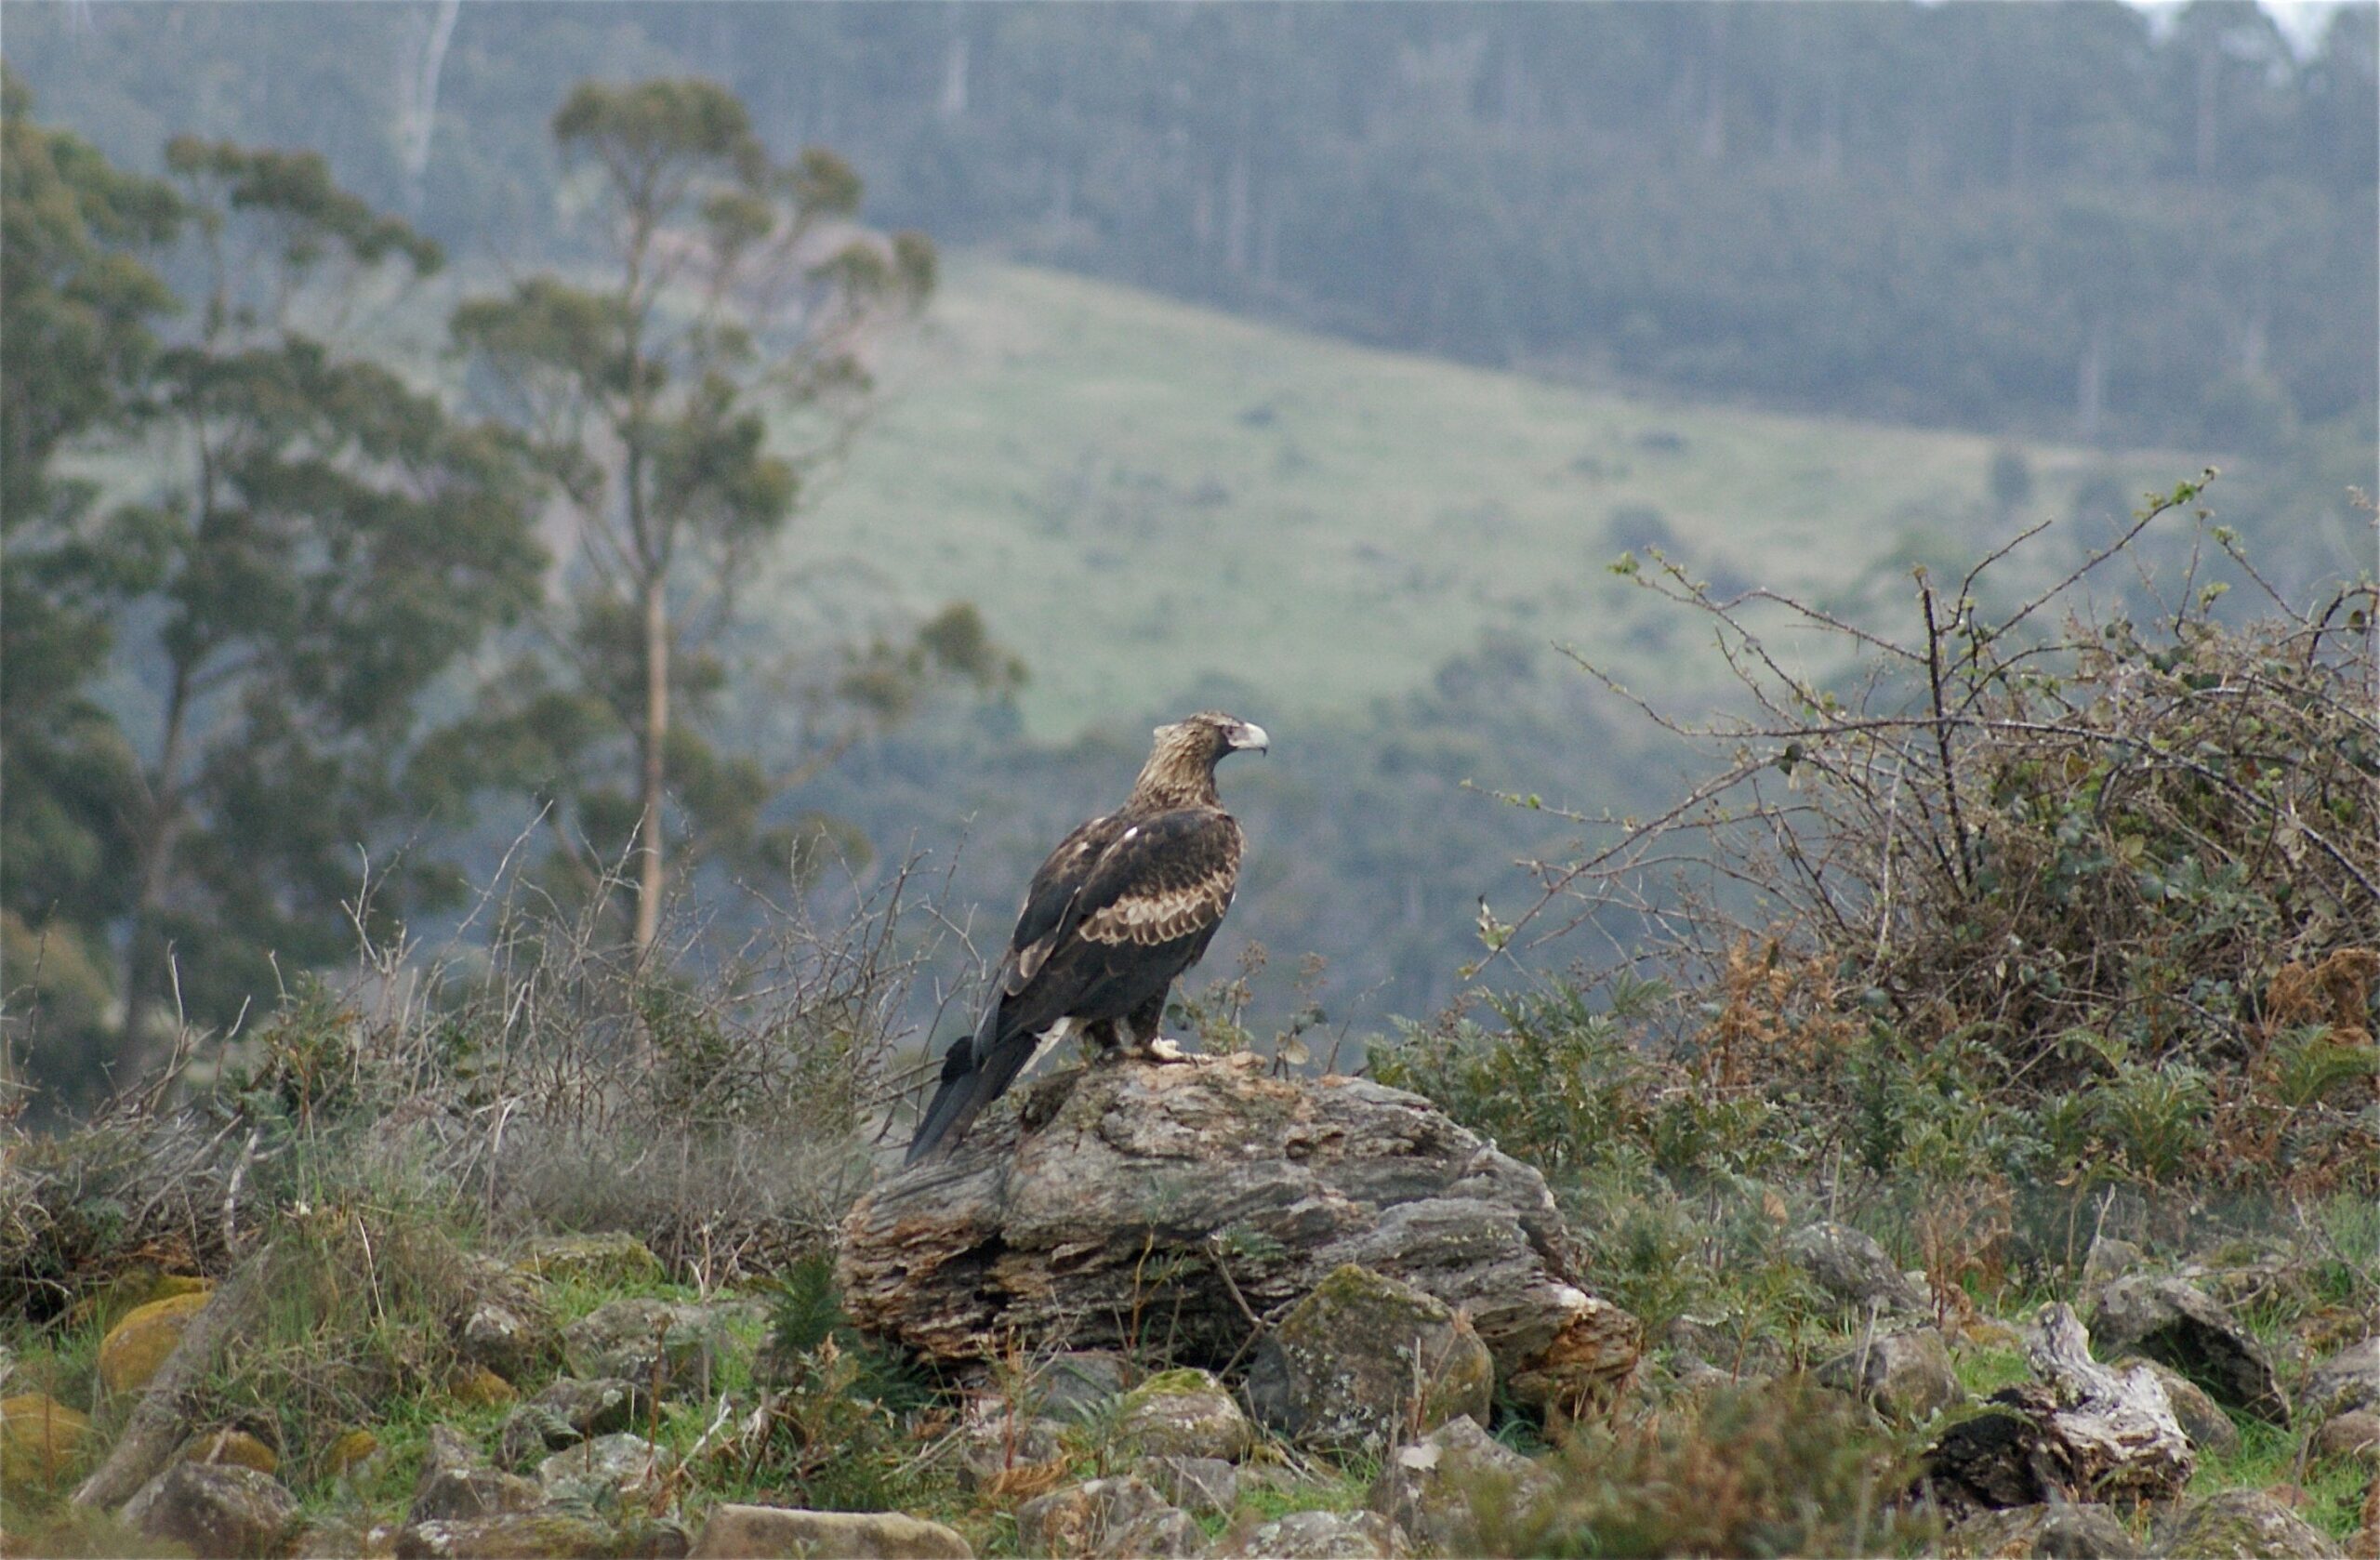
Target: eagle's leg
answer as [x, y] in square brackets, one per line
[1098, 1040]
[1144, 1025]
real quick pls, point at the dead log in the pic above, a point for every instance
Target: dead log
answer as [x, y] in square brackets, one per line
[2080, 1431]
[160, 1420]
[1175, 1207]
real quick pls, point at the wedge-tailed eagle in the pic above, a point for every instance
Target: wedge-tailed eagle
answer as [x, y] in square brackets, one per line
[1125, 904]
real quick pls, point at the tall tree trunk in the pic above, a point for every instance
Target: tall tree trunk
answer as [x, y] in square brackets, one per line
[657, 740]
[159, 829]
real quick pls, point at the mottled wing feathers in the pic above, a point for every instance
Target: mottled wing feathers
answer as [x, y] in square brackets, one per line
[1163, 880]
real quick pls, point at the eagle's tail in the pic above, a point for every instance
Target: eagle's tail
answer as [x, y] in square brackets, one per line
[977, 1069]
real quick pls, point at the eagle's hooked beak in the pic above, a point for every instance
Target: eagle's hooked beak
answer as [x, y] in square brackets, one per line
[1250, 735]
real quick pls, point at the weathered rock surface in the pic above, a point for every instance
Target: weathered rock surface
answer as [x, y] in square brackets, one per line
[1316, 1535]
[615, 1257]
[1183, 1413]
[516, 1536]
[2347, 1380]
[1045, 1222]
[235, 1447]
[2238, 1525]
[218, 1511]
[1364, 1356]
[2079, 1432]
[645, 1341]
[2059, 1532]
[507, 1338]
[771, 1533]
[1852, 1269]
[568, 1411]
[2353, 1434]
[1100, 1517]
[2201, 1419]
[607, 1471]
[1434, 1489]
[455, 1488]
[1907, 1376]
[1199, 1484]
[1080, 1383]
[2171, 1322]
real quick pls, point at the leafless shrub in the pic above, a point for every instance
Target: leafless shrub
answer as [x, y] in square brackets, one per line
[2113, 853]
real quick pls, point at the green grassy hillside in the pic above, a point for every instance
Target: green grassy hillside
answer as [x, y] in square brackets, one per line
[1142, 494]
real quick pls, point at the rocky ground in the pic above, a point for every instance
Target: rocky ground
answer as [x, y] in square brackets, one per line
[1202, 1310]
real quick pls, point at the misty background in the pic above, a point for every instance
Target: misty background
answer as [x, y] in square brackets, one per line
[1314, 361]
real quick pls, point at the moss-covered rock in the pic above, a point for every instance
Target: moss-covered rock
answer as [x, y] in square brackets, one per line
[350, 1450]
[1438, 1488]
[516, 1536]
[475, 1386]
[1343, 1367]
[137, 1347]
[1906, 1376]
[2239, 1524]
[235, 1448]
[612, 1258]
[40, 1439]
[770, 1533]
[645, 1341]
[2079, 1533]
[1184, 1413]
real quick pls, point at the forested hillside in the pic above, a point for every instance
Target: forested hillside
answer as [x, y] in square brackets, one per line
[2064, 220]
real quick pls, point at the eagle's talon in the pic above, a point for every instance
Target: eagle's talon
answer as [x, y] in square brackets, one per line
[1164, 1050]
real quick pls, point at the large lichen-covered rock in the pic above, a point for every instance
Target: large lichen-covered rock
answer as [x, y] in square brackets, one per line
[1364, 1356]
[1439, 1487]
[1079, 1383]
[1246, 1191]
[1103, 1517]
[2176, 1324]
[217, 1511]
[771, 1533]
[612, 1258]
[1907, 1376]
[569, 1410]
[1183, 1413]
[2239, 1524]
[454, 1487]
[607, 1472]
[235, 1447]
[645, 1341]
[2046, 1532]
[1316, 1535]
[515, 1536]
[1201, 1486]
[137, 1347]
[1852, 1269]
[40, 1439]
[2347, 1380]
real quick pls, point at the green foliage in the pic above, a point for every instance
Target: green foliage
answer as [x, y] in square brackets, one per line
[838, 1432]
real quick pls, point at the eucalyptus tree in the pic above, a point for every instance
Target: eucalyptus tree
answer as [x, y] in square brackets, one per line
[676, 389]
[327, 541]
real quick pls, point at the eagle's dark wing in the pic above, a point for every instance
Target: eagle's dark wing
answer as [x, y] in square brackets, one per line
[1119, 910]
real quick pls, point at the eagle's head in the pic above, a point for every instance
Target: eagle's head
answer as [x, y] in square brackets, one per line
[1182, 762]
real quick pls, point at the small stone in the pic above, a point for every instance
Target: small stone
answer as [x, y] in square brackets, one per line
[2042, 1533]
[1432, 1488]
[1316, 1535]
[1184, 1413]
[447, 1493]
[137, 1347]
[1086, 1519]
[2201, 1419]
[2355, 1434]
[771, 1533]
[1852, 1269]
[235, 1448]
[515, 1536]
[1341, 1367]
[475, 1386]
[566, 1412]
[217, 1511]
[40, 1439]
[2171, 1322]
[608, 1469]
[2239, 1524]
[614, 1258]
[1197, 1485]
[1907, 1376]
[999, 1453]
[2346, 1381]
